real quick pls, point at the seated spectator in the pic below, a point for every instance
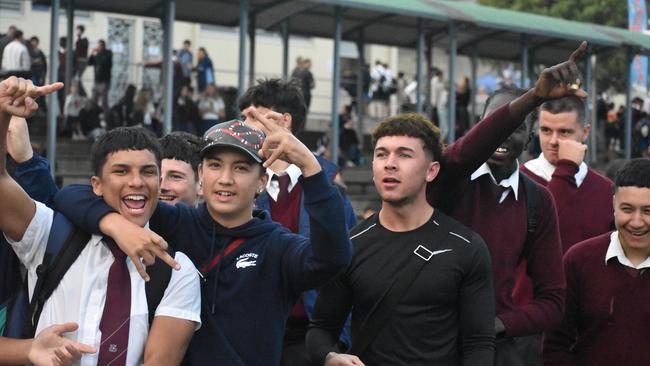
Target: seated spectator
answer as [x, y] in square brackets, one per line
[89, 119]
[144, 110]
[211, 108]
[74, 102]
[187, 111]
[121, 114]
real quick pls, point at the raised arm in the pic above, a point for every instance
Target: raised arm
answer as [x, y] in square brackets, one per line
[328, 250]
[16, 98]
[468, 153]
[32, 172]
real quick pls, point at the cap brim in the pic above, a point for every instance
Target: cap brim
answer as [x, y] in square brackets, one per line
[211, 146]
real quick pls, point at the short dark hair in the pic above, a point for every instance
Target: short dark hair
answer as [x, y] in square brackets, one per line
[81, 28]
[280, 96]
[515, 93]
[18, 34]
[182, 146]
[411, 125]
[571, 103]
[123, 138]
[34, 38]
[187, 41]
[634, 173]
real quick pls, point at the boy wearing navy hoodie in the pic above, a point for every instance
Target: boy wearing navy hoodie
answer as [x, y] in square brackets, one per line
[254, 269]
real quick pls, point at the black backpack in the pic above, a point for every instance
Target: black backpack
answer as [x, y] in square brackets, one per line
[19, 316]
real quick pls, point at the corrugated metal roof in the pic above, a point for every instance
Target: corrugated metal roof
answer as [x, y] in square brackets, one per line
[490, 32]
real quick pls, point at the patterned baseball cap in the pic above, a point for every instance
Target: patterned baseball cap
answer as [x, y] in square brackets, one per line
[234, 134]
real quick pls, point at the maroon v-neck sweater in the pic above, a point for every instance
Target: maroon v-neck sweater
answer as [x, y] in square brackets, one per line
[583, 212]
[607, 316]
[503, 226]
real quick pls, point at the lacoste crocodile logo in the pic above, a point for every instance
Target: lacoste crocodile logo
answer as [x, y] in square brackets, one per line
[246, 260]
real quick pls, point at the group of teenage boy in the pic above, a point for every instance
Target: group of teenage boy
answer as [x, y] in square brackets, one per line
[472, 259]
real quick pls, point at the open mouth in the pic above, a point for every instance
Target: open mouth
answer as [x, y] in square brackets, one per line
[167, 197]
[502, 150]
[135, 203]
[390, 180]
[638, 233]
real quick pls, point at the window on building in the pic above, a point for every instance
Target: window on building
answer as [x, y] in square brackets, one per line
[12, 6]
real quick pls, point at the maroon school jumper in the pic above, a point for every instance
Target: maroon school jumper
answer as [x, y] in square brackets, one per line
[583, 212]
[503, 226]
[607, 317]
[288, 215]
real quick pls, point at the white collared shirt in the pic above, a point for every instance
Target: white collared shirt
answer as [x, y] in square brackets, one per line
[544, 169]
[615, 250]
[16, 57]
[81, 293]
[512, 182]
[273, 186]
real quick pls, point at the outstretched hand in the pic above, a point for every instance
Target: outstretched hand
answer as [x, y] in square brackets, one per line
[17, 96]
[50, 348]
[562, 79]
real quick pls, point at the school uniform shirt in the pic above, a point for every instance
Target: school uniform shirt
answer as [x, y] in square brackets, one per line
[607, 315]
[81, 293]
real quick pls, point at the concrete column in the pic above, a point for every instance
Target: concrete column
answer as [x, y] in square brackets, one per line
[52, 101]
[285, 50]
[419, 72]
[474, 61]
[628, 106]
[251, 59]
[361, 94]
[524, 62]
[336, 80]
[68, 48]
[451, 102]
[168, 67]
[243, 28]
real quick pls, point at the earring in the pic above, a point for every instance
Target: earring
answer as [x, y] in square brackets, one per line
[200, 184]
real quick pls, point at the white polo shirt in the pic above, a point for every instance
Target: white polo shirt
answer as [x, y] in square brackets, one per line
[81, 293]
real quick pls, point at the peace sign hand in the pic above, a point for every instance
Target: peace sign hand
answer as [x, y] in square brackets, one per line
[562, 79]
[281, 144]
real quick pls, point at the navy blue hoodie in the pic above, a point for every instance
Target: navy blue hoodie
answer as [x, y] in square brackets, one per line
[245, 310]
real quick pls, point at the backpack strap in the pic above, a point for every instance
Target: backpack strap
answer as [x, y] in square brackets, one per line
[159, 276]
[64, 244]
[384, 307]
[533, 198]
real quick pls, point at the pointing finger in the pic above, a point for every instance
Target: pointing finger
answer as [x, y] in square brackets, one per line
[578, 52]
[46, 89]
[140, 267]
